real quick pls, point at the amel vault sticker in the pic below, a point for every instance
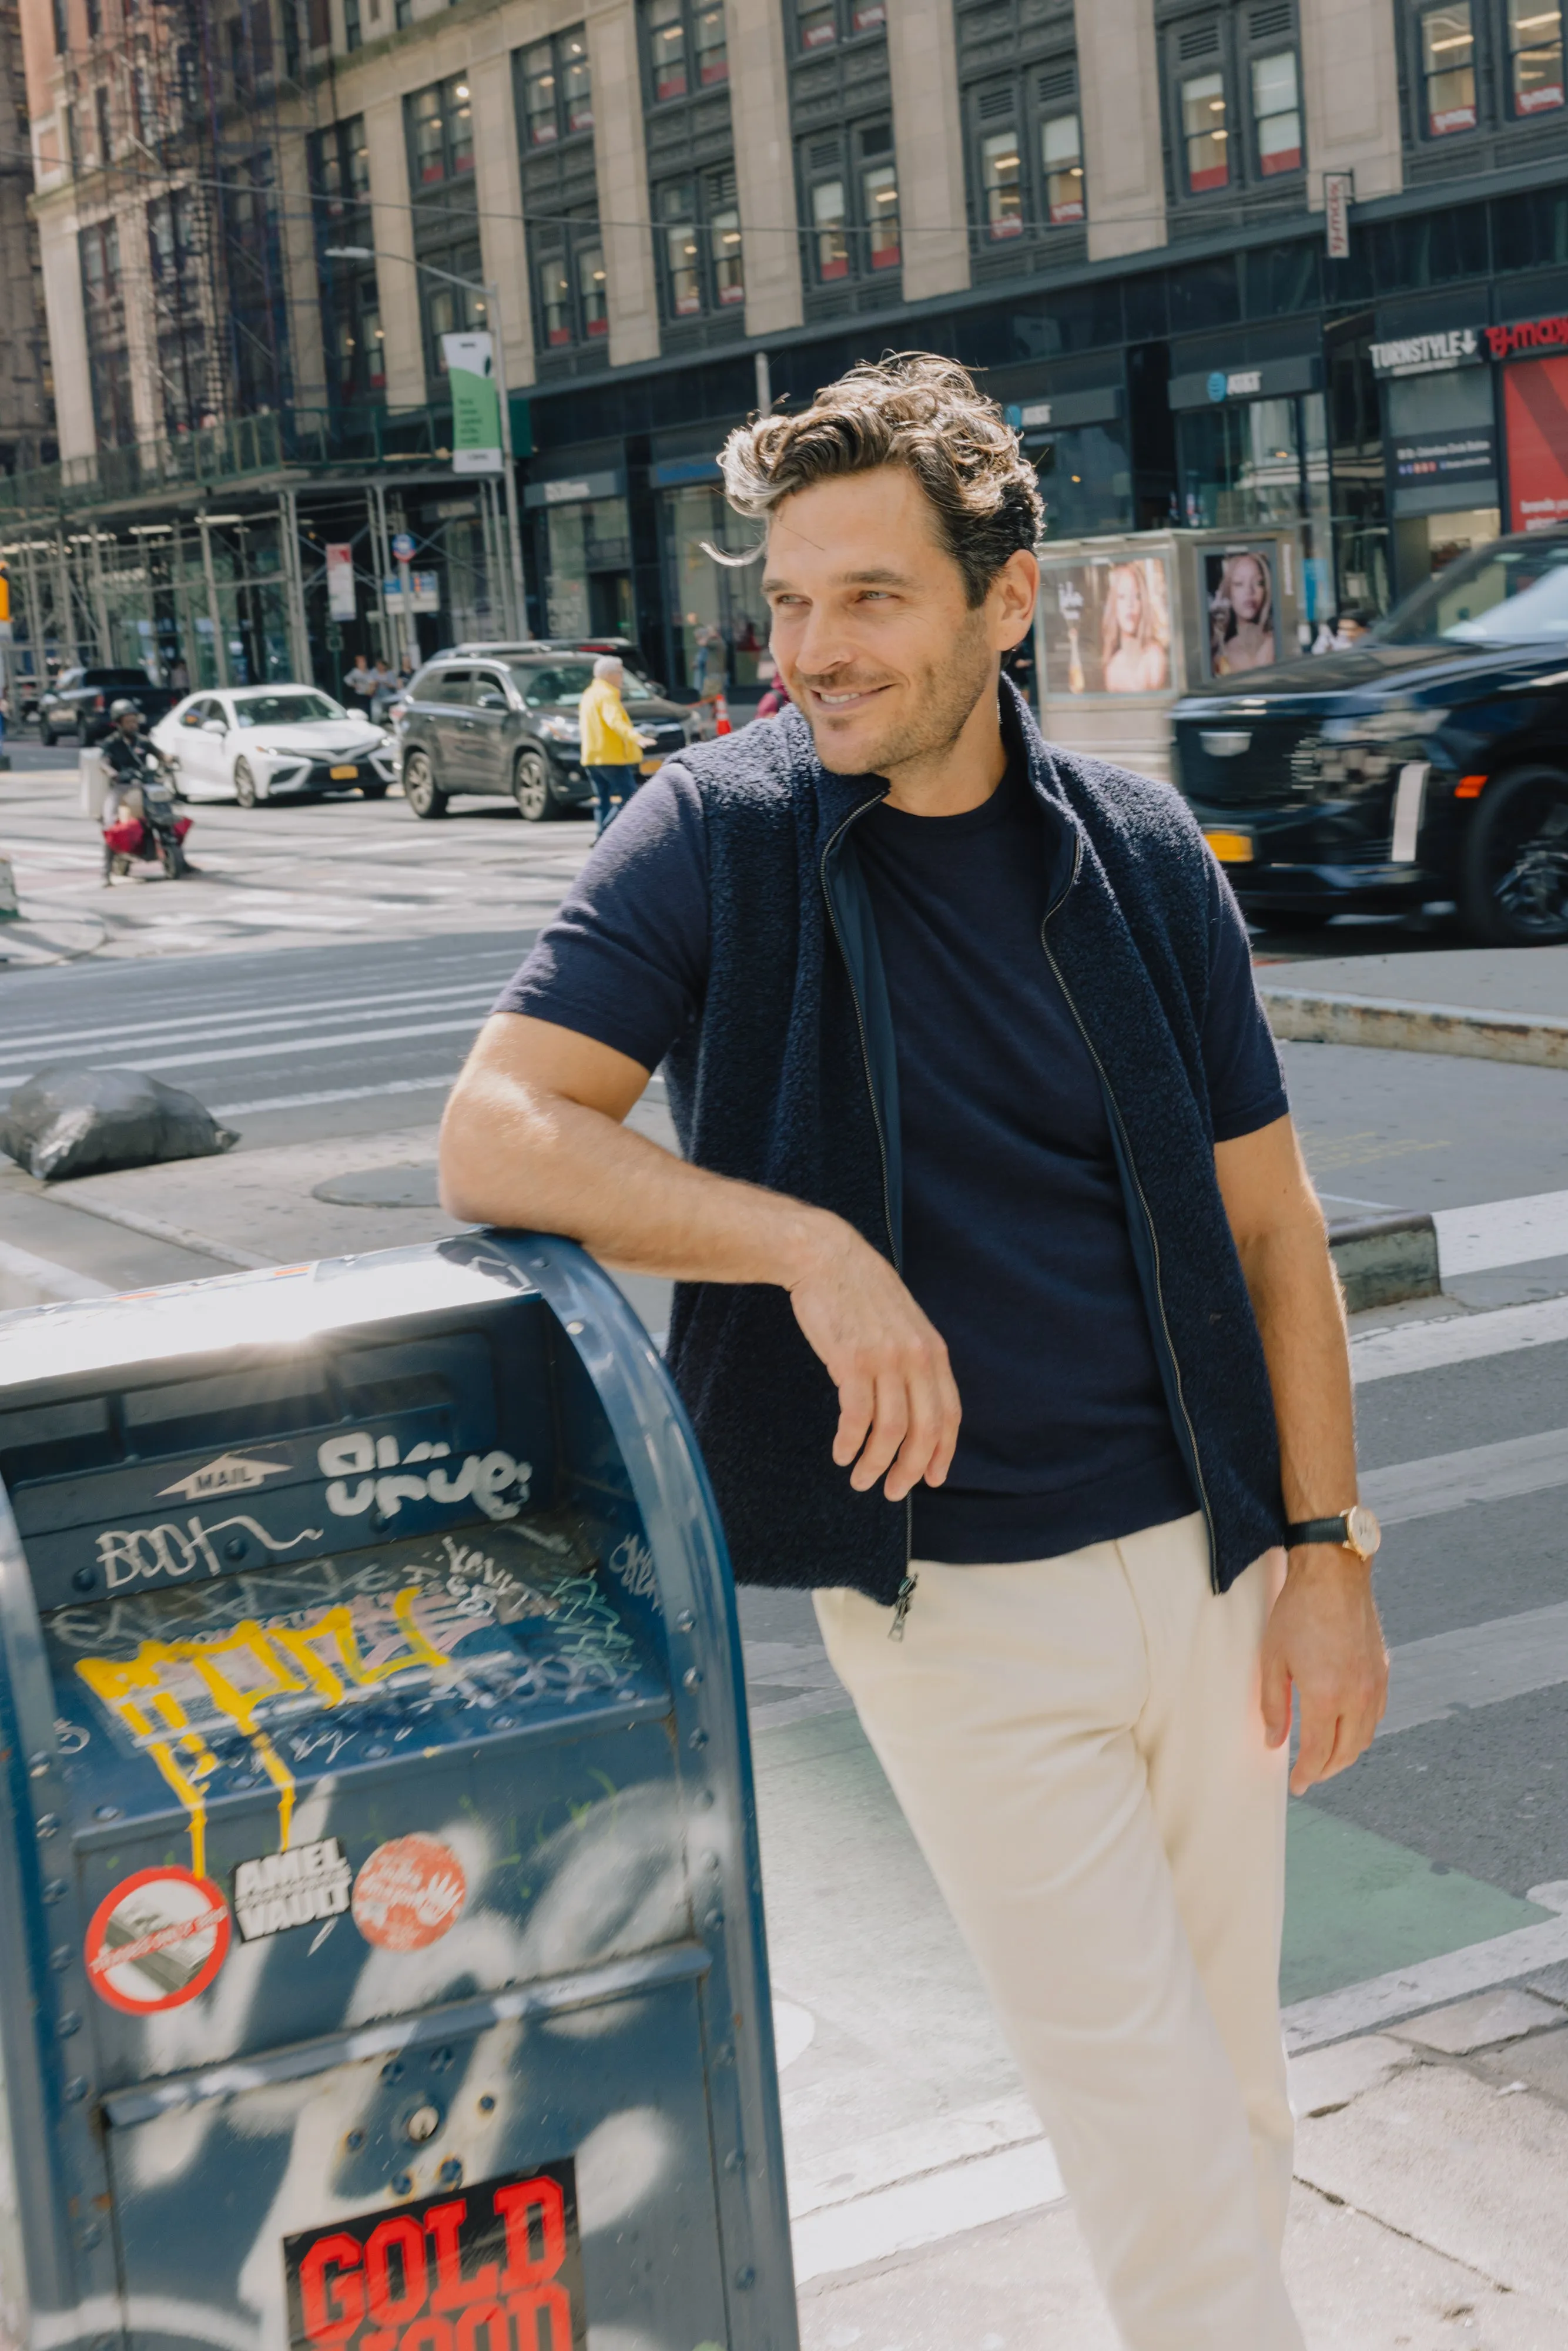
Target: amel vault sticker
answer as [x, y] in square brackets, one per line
[157, 1940]
[497, 2267]
[295, 1888]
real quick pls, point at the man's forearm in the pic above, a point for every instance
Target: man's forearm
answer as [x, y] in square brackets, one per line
[514, 1155]
[1296, 1297]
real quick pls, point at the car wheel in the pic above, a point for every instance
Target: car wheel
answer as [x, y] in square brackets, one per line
[245, 784]
[420, 789]
[531, 788]
[1515, 888]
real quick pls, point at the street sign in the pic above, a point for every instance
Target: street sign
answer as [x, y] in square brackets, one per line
[476, 404]
[403, 546]
[1339, 194]
[341, 600]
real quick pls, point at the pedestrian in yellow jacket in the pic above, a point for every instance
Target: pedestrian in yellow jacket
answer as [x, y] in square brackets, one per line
[612, 750]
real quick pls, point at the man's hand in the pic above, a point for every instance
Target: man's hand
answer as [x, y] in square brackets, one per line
[897, 1395]
[1323, 1637]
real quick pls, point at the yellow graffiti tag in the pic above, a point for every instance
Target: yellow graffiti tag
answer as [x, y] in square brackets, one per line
[239, 1673]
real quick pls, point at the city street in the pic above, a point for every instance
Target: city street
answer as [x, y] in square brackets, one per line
[316, 984]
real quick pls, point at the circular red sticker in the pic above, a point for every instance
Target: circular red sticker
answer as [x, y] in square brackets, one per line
[409, 1892]
[157, 1940]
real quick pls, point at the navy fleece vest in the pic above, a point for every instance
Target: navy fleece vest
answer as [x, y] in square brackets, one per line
[789, 1080]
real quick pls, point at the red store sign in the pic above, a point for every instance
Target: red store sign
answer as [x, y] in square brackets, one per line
[497, 2267]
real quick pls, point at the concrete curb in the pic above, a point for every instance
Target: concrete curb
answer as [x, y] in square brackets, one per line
[1382, 1261]
[1305, 1018]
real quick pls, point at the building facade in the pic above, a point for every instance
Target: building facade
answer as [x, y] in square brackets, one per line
[258, 217]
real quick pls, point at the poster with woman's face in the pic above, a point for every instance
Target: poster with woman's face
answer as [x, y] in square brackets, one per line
[1107, 626]
[1238, 588]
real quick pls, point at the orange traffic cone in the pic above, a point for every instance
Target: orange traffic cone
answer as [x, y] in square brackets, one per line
[721, 724]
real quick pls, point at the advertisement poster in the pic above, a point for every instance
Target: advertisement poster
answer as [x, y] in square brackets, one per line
[340, 604]
[1536, 402]
[476, 404]
[1107, 626]
[1239, 594]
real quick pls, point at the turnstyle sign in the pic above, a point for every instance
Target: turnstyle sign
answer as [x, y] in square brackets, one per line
[495, 2267]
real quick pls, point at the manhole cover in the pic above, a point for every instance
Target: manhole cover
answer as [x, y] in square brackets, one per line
[382, 1187]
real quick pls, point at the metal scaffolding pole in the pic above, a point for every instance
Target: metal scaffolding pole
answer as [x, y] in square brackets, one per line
[220, 642]
[294, 587]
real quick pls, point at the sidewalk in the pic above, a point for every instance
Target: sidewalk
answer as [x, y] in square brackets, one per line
[1501, 1004]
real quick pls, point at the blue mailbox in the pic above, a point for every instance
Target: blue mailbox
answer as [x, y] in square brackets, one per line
[382, 1963]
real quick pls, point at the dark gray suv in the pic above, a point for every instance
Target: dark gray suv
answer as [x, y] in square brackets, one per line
[506, 723]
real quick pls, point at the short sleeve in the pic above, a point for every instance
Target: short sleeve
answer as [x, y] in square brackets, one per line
[625, 960]
[1246, 1084]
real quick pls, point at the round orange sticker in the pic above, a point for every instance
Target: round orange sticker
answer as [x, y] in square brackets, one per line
[157, 1940]
[409, 1892]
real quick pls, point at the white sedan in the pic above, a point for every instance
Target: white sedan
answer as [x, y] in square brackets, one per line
[259, 742]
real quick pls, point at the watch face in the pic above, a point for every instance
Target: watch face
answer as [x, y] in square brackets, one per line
[1363, 1530]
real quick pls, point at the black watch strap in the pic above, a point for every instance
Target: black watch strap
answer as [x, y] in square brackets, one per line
[1318, 1531]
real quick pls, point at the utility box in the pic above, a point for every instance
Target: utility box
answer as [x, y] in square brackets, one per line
[381, 1962]
[1125, 626]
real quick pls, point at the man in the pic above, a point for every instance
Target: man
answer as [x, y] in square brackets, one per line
[1010, 1325]
[612, 748]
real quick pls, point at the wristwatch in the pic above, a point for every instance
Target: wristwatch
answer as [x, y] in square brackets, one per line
[1355, 1531]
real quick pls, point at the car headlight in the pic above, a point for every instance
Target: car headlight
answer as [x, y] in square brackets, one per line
[561, 730]
[1385, 726]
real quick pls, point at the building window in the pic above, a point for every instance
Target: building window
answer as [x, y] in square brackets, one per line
[558, 90]
[1535, 54]
[879, 189]
[1448, 69]
[821, 24]
[1277, 113]
[1001, 184]
[1062, 162]
[442, 118]
[593, 290]
[699, 224]
[830, 224]
[667, 48]
[1204, 132]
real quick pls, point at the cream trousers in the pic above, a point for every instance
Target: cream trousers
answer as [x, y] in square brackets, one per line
[1078, 1745]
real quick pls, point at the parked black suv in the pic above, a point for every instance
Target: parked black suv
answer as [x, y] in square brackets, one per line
[1429, 764]
[80, 699]
[507, 723]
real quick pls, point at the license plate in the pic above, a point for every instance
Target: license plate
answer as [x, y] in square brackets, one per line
[652, 767]
[345, 775]
[1232, 848]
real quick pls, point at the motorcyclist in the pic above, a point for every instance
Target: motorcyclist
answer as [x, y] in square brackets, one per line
[128, 760]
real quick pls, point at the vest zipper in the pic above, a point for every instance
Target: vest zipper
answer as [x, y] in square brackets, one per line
[1143, 1203]
[906, 1589]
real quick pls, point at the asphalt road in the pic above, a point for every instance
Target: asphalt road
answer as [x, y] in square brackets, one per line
[322, 979]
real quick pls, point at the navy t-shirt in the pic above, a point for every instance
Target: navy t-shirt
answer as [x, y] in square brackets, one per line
[1015, 1228]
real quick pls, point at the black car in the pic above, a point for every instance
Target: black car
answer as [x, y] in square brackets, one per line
[507, 724]
[79, 700]
[1429, 764]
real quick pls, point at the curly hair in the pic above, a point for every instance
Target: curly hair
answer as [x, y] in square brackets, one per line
[909, 409]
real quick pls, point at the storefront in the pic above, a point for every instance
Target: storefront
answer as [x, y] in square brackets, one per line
[581, 548]
[1534, 356]
[1252, 455]
[716, 617]
[1441, 445]
[1077, 442]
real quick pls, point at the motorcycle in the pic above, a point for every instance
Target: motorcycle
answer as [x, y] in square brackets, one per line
[146, 825]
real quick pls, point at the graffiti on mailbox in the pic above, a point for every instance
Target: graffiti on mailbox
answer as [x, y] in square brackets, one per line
[497, 2268]
[244, 1689]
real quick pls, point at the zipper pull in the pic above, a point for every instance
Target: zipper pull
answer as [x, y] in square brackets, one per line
[901, 1607]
